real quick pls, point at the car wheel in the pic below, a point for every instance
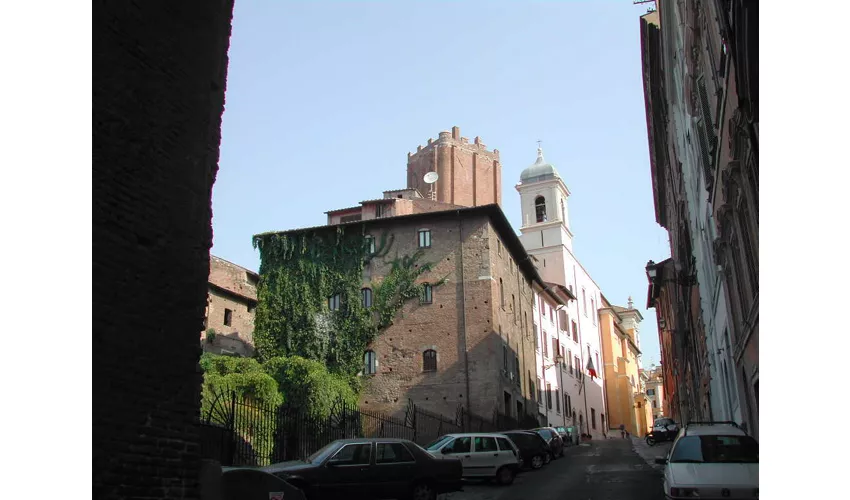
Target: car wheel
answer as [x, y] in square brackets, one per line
[650, 440]
[423, 491]
[505, 476]
[537, 461]
[546, 458]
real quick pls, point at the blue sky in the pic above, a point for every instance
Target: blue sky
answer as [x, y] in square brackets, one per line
[325, 100]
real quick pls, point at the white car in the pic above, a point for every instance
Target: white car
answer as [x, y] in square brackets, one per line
[712, 460]
[482, 455]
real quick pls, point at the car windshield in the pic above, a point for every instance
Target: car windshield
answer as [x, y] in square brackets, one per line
[322, 454]
[435, 445]
[716, 450]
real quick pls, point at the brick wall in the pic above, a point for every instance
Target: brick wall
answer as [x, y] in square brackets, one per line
[460, 335]
[470, 175]
[158, 100]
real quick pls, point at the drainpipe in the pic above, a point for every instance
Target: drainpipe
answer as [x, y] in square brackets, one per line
[463, 318]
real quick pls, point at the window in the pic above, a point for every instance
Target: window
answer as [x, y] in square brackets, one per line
[578, 366]
[540, 209]
[513, 306]
[393, 453]
[593, 310]
[460, 445]
[716, 449]
[427, 294]
[334, 301]
[485, 444]
[654, 403]
[545, 345]
[575, 331]
[556, 349]
[228, 317]
[505, 444]
[650, 392]
[502, 293]
[549, 396]
[381, 211]
[558, 405]
[602, 418]
[539, 391]
[568, 405]
[354, 454]
[370, 362]
[563, 320]
[536, 338]
[499, 247]
[429, 361]
[584, 300]
[531, 389]
[593, 418]
[366, 297]
[505, 357]
[370, 244]
[424, 238]
[598, 366]
[570, 360]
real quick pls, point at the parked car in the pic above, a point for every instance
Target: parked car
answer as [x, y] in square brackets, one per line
[556, 444]
[243, 483]
[371, 468]
[482, 455]
[565, 434]
[534, 451]
[712, 460]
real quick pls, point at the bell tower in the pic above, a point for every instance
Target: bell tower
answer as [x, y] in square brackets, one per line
[545, 215]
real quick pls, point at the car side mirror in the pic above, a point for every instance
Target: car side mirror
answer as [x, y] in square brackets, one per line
[661, 461]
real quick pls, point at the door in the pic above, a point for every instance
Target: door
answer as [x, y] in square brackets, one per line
[349, 472]
[395, 469]
[485, 456]
[507, 453]
[460, 448]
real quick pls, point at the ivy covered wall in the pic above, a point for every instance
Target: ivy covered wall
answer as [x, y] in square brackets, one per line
[300, 272]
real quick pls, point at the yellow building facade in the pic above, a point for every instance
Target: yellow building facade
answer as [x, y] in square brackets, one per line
[625, 388]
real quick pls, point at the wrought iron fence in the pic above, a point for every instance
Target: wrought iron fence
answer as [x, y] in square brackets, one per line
[237, 431]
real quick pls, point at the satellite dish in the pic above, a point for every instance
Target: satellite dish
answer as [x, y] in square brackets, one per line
[431, 177]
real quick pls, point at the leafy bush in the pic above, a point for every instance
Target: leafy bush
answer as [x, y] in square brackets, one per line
[308, 384]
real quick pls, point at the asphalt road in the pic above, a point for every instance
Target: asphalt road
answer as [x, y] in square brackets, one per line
[608, 469]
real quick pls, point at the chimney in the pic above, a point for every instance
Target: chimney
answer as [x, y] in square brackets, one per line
[455, 133]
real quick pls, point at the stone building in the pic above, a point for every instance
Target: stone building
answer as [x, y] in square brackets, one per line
[469, 174]
[231, 302]
[700, 61]
[547, 237]
[467, 342]
[655, 391]
[625, 394]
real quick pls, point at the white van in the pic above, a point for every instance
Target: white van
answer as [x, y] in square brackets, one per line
[482, 455]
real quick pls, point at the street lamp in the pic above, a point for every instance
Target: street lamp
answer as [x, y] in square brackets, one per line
[652, 274]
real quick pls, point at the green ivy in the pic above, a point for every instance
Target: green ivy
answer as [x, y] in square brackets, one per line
[299, 273]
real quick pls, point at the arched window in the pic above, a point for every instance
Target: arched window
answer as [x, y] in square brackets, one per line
[366, 297]
[427, 293]
[429, 361]
[540, 209]
[334, 302]
[370, 363]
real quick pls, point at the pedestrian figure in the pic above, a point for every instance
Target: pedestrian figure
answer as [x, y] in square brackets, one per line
[623, 431]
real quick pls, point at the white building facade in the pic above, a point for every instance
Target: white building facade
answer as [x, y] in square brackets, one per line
[686, 130]
[547, 237]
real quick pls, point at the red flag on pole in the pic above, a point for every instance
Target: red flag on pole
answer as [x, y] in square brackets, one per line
[590, 369]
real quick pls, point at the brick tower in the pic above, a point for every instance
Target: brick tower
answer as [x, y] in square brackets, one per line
[470, 175]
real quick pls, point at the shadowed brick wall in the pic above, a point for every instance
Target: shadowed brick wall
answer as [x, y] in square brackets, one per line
[158, 99]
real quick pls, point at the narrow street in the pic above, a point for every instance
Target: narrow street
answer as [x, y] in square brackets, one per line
[606, 470]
